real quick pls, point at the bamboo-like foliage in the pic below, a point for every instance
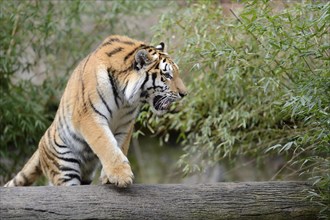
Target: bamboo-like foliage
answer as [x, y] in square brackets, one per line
[259, 83]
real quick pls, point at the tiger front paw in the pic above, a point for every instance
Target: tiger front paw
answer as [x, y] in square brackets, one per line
[121, 175]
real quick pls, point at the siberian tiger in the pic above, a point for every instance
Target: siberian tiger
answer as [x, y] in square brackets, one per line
[96, 114]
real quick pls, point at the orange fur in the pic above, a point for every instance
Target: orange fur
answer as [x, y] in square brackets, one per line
[96, 114]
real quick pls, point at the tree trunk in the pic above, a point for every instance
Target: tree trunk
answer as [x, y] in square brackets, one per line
[248, 200]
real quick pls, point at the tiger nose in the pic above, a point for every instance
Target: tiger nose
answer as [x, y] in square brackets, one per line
[182, 94]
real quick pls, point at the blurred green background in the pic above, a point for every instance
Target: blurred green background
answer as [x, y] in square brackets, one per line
[257, 72]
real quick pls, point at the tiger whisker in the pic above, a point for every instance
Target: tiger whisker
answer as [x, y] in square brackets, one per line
[160, 100]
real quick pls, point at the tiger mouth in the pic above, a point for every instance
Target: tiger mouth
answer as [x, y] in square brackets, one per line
[162, 103]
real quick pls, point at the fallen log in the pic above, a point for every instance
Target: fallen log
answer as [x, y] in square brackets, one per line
[247, 200]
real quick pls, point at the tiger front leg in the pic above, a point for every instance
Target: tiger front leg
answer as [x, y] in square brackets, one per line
[123, 141]
[116, 167]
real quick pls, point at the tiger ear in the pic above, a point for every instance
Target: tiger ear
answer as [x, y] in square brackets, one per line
[160, 46]
[141, 59]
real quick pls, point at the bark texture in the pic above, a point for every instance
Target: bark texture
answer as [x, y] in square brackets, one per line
[248, 200]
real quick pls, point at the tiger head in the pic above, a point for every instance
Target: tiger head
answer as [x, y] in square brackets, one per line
[162, 84]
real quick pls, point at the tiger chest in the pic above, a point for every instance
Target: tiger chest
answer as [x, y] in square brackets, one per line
[122, 118]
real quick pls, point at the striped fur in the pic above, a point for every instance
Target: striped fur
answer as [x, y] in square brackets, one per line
[95, 118]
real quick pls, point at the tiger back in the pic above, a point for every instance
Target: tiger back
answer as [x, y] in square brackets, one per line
[95, 118]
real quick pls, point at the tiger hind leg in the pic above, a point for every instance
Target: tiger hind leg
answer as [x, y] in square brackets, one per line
[60, 170]
[28, 175]
[66, 176]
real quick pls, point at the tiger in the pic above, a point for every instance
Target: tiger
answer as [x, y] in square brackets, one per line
[93, 125]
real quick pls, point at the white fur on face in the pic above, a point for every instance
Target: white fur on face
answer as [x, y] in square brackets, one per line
[167, 69]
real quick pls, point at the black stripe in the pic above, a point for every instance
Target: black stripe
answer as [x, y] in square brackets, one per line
[104, 102]
[109, 42]
[165, 67]
[58, 145]
[95, 110]
[25, 179]
[64, 125]
[52, 159]
[70, 133]
[84, 109]
[62, 147]
[49, 138]
[83, 84]
[126, 84]
[76, 138]
[127, 70]
[61, 129]
[143, 94]
[61, 153]
[54, 173]
[86, 62]
[50, 143]
[125, 123]
[42, 162]
[119, 133]
[113, 52]
[36, 172]
[142, 46]
[62, 168]
[153, 66]
[113, 86]
[71, 176]
[130, 54]
[127, 42]
[130, 112]
[127, 74]
[154, 87]
[154, 76]
[66, 159]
